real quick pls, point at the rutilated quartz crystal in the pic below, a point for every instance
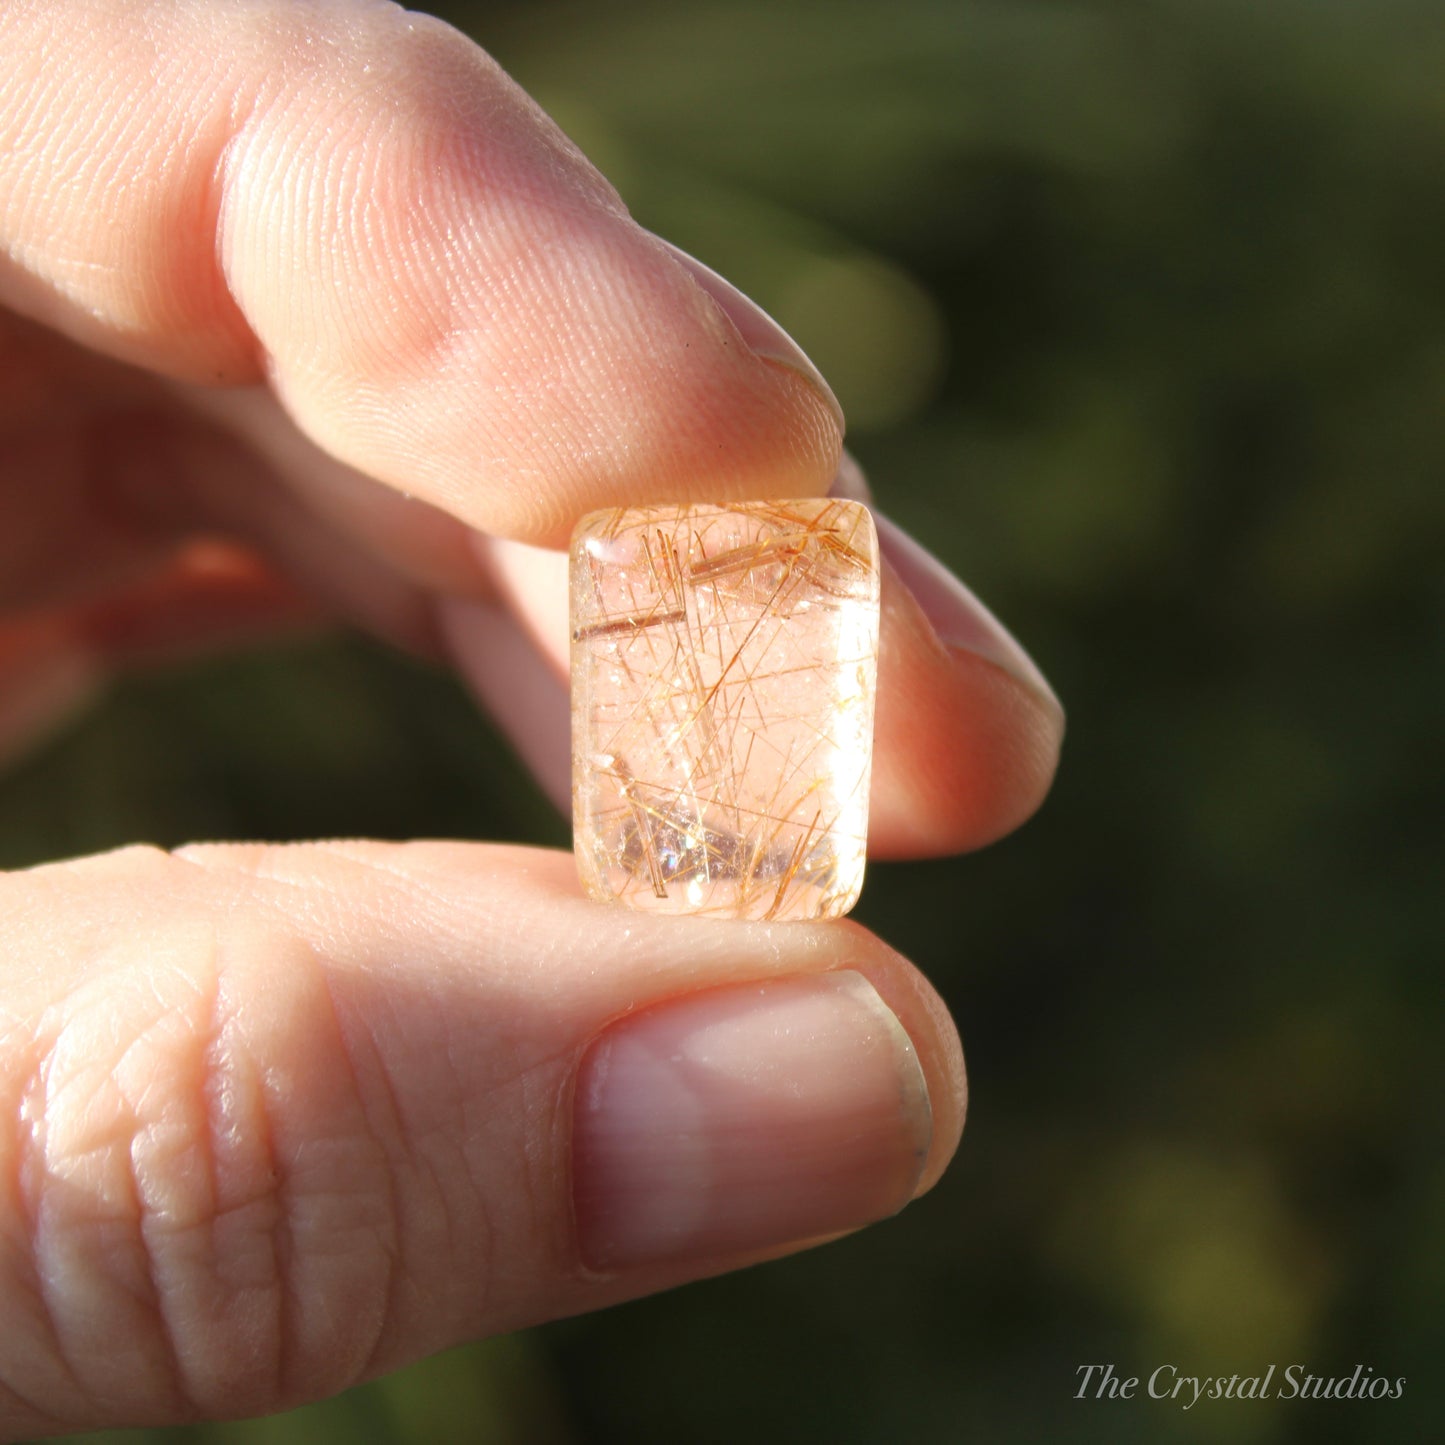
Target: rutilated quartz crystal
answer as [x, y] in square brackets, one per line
[724, 662]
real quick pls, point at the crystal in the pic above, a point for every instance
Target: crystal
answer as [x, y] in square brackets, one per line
[724, 662]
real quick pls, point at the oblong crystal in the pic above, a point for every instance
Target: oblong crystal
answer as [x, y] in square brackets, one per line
[724, 664]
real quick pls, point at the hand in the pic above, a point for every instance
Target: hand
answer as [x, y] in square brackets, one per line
[309, 311]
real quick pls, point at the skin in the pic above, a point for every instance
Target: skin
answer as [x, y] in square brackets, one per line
[308, 313]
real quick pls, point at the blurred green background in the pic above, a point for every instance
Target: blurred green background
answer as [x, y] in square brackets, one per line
[1138, 311]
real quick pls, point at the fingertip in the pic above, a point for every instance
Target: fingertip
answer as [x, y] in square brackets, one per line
[930, 1027]
[968, 734]
[743, 1118]
[756, 329]
[956, 615]
[966, 753]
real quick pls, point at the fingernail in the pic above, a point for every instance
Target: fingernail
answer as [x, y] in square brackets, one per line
[760, 333]
[745, 1118]
[960, 620]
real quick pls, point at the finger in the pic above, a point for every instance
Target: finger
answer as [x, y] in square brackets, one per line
[59, 535]
[233, 489]
[130, 470]
[44, 679]
[355, 204]
[968, 728]
[293, 1116]
[967, 731]
[518, 684]
[205, 595]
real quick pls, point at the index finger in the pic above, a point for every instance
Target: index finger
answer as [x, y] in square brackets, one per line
[355, 204]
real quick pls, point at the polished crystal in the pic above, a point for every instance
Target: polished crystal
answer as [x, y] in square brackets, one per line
[724, 662]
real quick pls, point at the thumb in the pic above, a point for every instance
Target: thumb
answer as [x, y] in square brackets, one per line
[355, 204]
[290, 1117]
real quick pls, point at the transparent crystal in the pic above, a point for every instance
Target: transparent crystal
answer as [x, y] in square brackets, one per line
[724, 662]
